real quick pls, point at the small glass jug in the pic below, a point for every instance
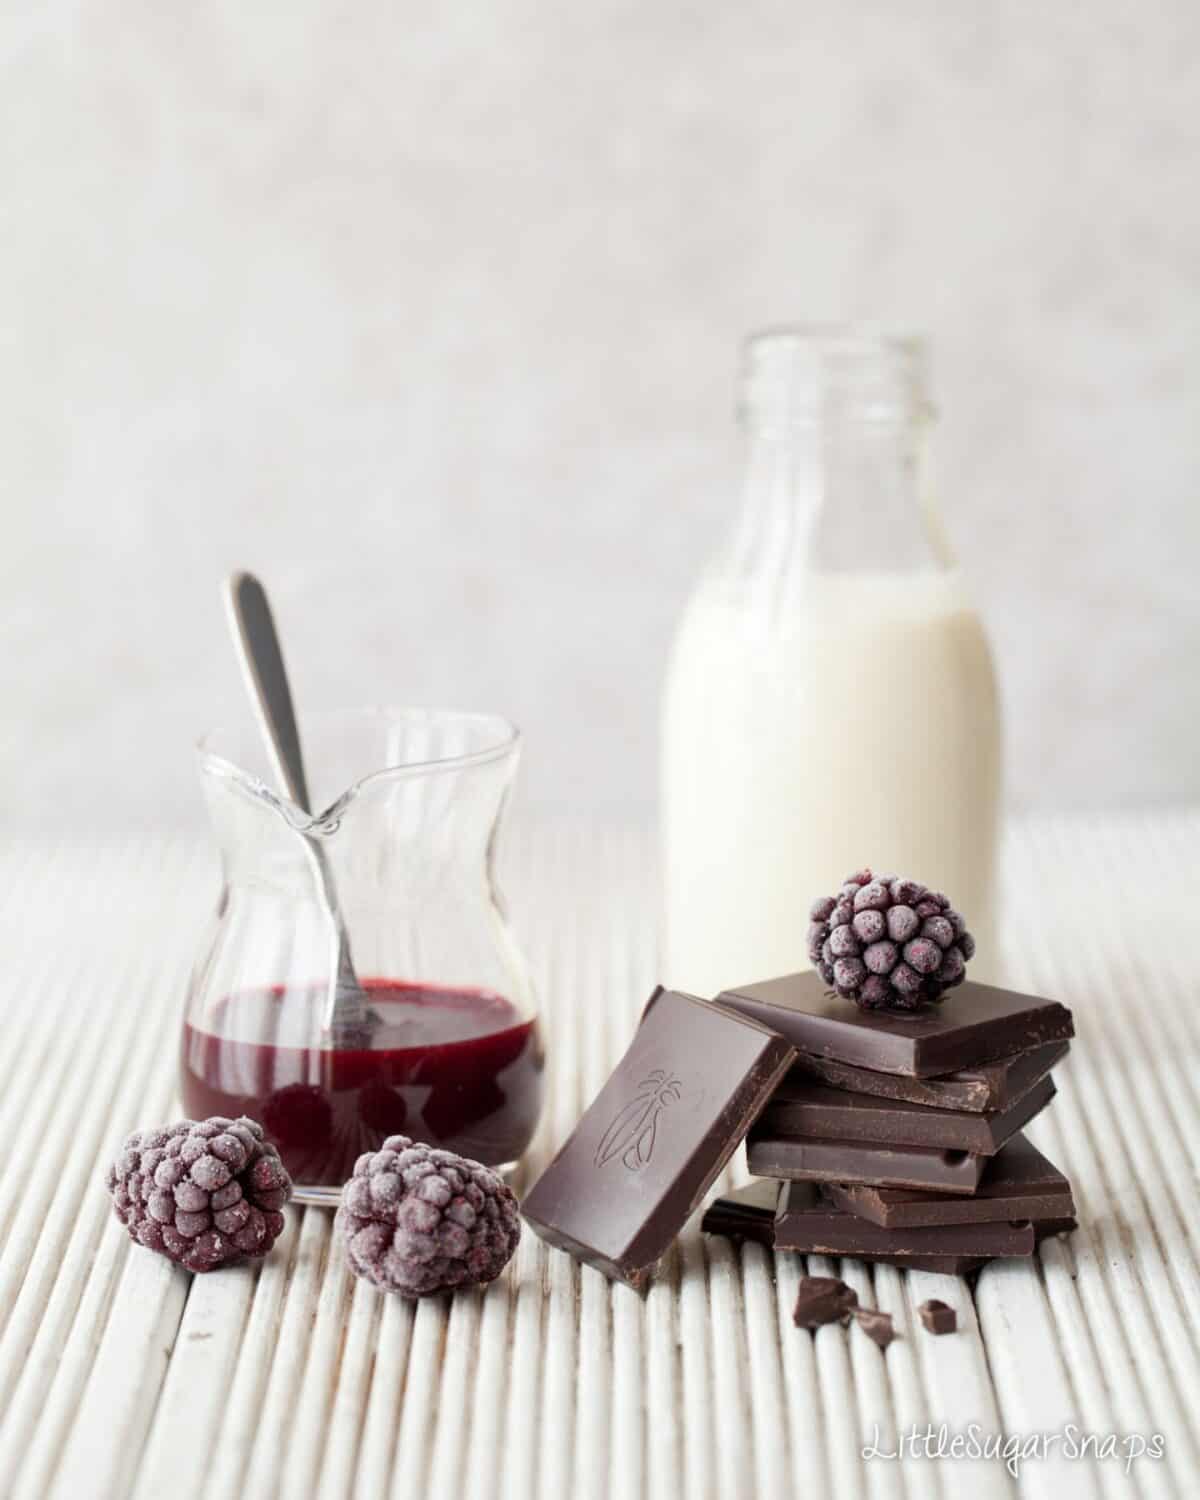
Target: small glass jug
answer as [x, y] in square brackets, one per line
[452, 1053]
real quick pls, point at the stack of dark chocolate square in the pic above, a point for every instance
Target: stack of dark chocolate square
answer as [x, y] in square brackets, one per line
[897, 1136]
[892, 1137]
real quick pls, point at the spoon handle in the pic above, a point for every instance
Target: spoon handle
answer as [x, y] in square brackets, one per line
[266, 676]
[347, 1010]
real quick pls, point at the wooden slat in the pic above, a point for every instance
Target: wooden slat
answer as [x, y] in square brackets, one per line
[121, 1376]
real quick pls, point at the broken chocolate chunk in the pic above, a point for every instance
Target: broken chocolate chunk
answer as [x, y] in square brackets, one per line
[823, 1299]
[938, 1317]
[875, 1324]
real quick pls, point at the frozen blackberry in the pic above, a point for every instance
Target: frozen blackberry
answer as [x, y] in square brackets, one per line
[417, 1220]
[888, 944]
[203, 1193]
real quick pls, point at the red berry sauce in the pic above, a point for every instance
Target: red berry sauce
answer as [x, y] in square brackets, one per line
[457, 1068]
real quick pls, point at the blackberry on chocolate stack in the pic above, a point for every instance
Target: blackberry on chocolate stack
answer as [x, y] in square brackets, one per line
[887, 943]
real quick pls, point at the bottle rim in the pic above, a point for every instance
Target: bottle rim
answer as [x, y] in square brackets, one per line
[834, 338]
[797, 373]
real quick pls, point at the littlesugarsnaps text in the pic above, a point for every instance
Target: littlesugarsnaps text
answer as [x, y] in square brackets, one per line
[1012, 1449]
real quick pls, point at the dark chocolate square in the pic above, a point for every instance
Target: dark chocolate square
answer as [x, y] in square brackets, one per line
[1018, 1183]
[746, 1213]
[803, 1159]
[986, 1087]
[974, 1024]
[749, 1214]
[650, 1145]
[814, 1110]
[809, 1224]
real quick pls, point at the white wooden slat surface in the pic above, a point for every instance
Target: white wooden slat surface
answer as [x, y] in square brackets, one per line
[122, 1376]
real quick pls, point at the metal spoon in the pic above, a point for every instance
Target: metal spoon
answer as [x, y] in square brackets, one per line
[348, 1010]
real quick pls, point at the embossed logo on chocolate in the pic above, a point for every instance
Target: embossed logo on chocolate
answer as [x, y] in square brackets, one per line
[633, 1132]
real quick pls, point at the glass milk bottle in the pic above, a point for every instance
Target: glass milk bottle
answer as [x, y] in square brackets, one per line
[830, 701]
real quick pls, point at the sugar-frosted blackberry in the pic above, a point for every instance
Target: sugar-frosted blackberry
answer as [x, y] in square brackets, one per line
[203, 1193]
[888, 943]
[417, 1220]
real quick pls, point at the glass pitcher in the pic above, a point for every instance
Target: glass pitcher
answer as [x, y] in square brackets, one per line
[830, 701]
[451, 1052]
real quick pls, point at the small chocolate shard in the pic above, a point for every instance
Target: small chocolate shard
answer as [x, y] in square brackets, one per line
[876, 1325]
[823, 1299]
[938, 1317]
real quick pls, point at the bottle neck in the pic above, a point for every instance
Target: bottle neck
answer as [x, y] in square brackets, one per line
[837, 500]
[834, 478]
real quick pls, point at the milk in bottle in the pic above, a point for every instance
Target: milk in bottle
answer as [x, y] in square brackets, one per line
[830, 700]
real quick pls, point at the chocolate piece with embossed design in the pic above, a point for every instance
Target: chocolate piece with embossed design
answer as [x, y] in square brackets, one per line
[654, 1139]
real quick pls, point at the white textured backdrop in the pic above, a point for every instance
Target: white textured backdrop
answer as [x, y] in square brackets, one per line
[431, 314]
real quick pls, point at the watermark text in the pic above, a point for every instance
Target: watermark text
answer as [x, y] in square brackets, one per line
[1012, 1449]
